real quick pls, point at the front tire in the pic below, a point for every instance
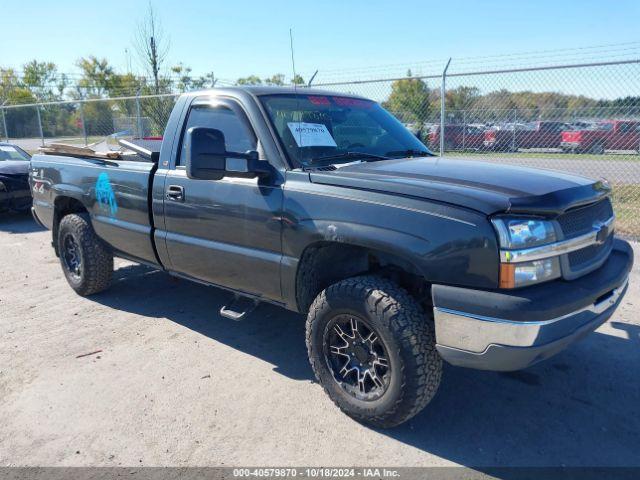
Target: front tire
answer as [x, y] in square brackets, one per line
[372, 348]
[87, 262]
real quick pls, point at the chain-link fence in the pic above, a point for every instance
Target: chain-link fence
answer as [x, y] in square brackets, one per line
[85, 122]
[581, 118]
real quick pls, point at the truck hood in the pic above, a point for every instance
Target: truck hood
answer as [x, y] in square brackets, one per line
[482, 186]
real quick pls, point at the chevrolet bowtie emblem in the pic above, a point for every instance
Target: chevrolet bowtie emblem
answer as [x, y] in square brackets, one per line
[602, 232]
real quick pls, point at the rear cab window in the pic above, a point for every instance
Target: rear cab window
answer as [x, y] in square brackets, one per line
[238, 135]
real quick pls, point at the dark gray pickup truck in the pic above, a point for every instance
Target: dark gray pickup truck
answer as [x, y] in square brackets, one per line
[325, 204]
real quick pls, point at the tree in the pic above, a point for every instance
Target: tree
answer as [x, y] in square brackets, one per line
[9, 82]
[461, 98]
[97, 77]
[409, 99]
[297, 80]
[276, 80]
[250, 80]
[152, 46]
[42, 79]
[185, 81]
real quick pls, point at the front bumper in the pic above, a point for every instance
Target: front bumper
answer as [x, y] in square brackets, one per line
[570, 145]
[511, 330]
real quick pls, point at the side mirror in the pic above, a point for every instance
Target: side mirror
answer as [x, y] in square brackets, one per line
[208, 159]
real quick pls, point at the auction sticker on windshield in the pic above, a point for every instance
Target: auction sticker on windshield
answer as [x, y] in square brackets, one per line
[311, 134]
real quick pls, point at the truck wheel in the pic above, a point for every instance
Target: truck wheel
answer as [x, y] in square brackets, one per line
[87, 262]
[372, 348]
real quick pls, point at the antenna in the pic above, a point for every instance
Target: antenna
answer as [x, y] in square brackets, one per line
[295, 88]
[293, 60]
[312, 77]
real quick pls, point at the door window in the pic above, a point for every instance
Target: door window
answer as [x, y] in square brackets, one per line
[237, 134]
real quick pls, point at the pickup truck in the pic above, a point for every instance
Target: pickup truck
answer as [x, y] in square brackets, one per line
[607, 135]
[457, 137]
[542, 134]
[325, 204]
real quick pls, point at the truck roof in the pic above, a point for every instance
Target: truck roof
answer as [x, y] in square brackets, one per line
[259, 90]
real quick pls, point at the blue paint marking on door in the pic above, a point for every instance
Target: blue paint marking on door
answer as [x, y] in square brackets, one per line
[104, 194]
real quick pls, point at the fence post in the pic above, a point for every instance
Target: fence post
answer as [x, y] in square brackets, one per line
[464, 129]
[84, 128]
[4, 123]
[442, 106]
[40, 125]
[139, 117]
[513, 135]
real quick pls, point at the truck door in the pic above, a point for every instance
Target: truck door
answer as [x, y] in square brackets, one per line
[225, 232]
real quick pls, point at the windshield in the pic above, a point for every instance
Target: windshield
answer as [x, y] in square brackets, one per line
[331, 129]
[9, 152]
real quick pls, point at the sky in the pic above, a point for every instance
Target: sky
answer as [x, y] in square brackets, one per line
[348, 37]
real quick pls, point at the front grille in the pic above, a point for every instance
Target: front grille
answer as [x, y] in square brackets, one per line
[580, 220]
[583, 258]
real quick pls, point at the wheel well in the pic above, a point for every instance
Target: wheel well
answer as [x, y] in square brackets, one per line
[64, 206]
[325, 263]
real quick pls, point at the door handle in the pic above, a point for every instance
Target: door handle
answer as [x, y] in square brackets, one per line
[175, 193]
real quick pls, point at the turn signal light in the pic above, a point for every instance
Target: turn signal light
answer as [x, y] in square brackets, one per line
[507, 275]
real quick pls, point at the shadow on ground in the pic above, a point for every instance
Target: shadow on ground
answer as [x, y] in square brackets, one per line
[579, 408]
[18, 223]
[269, 332]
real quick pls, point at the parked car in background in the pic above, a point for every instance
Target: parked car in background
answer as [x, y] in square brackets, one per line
[607, 135]
[15, 194]
[457, 137]
[541, 134]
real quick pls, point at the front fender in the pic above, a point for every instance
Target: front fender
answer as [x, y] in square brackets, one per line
[445, 244]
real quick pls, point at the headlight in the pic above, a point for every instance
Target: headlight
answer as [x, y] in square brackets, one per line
[523, 232]
[515, 275]
[2, 187]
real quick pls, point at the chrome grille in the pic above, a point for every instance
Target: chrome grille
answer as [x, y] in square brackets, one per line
[583, 258]
[580, 220]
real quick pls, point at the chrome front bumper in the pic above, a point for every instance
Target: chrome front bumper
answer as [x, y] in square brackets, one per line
[522, 329]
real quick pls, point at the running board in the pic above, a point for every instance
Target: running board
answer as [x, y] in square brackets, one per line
[238, 308]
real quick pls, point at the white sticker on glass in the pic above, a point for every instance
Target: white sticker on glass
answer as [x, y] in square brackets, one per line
[4, 148]
[311, 134]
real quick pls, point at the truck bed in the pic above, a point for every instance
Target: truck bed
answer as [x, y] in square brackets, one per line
[105, 188]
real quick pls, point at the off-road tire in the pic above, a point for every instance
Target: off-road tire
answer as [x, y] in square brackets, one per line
[409, 337]
[97, 259]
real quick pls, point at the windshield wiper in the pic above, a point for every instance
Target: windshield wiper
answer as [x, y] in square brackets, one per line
[347, 156]
[410, 153]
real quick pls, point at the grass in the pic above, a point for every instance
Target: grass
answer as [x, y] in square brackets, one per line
[626, 202]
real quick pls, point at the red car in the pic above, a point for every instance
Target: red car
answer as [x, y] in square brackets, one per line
[609, 135]
[542, 134]
[457, 137]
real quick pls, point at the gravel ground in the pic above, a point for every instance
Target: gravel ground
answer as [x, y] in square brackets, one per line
[175, 384]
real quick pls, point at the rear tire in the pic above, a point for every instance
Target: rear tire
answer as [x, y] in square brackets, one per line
[87, 262]
[404, 339]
